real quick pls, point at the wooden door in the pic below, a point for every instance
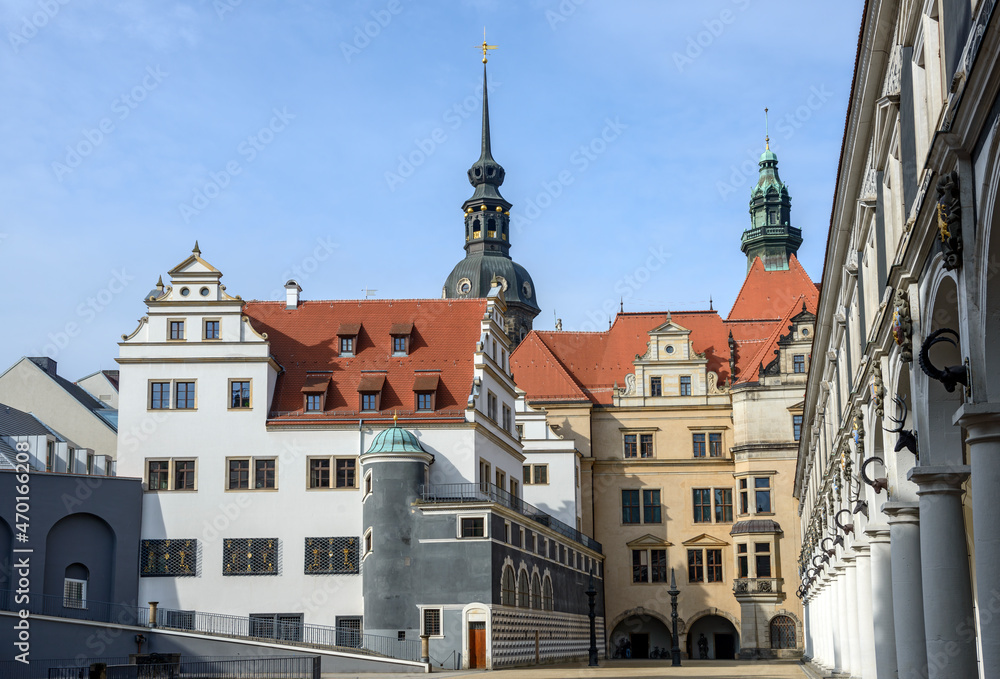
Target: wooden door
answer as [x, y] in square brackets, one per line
[477, 645]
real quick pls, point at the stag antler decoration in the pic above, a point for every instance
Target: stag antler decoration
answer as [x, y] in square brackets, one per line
[907, 439]
[846, 527]
[879, 484]
[952, 375]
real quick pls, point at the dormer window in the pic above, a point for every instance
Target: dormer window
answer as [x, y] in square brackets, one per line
[370, 390]
[400, 333]
[348, 334]
[314, 392]
[425, 390]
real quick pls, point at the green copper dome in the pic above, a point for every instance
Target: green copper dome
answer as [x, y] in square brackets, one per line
[771, 236]
[395, 440]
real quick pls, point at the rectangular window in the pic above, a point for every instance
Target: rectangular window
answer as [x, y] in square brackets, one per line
[239, 474]
[762, 554]
[347, 472]
[631, 445]
[796, 427]
[319, 473]
[514, 493]
[741, 561]
[250, 556]
[702, 505]
[723, 505]
[484, 476]
[369, 544]
[239, 394]
[491, 406]
[799, 363]
[526, 474]
[176, 330]
[369, 401]
[715, 445]
[346, 346]
[696, 567]
[168, 557]
[501, 479]
[184, 475]
[331, 555]
[399, 345]
[651, 506]
[159, 475]
[713, 565]
[698, 444]
[656, 386]
[264, 473]
[541, 474]
[313, 403]
[424, 401]
[211, 330]
[762, 493]
[685, 385]
[645, 445]
[744, 495]
[159, 395]
[185, 395]
[507, 419]
[50, 456]
[630, 506]
[473, 527]
[640, 568]
[74, 593]
[658, 565]
[432, 622]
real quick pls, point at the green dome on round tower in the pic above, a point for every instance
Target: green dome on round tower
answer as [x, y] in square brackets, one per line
[395, 440]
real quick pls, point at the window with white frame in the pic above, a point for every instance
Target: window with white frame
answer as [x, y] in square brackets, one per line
[431, 622]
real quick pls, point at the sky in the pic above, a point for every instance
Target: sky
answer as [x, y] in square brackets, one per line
[329, 142]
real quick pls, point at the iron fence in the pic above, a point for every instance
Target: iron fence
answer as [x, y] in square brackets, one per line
[487, 492]
[299, 667]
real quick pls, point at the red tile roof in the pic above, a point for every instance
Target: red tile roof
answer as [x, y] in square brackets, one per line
[304, 343]
[764, 354]
[765, 294]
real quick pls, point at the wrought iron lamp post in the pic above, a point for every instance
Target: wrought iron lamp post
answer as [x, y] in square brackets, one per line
[591, 594]
[675, 649]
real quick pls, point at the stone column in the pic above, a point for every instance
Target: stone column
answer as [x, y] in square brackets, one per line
[881, 602]
[866, 627]
[838, 603]
[907, 588]
[850, 614]
[982, 425]
[949, 620]
[807, 651]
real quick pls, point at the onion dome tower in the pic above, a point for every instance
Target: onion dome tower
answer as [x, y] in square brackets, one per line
[771, 235]
[487, 241]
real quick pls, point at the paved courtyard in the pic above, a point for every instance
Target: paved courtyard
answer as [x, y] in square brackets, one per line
[614, 669]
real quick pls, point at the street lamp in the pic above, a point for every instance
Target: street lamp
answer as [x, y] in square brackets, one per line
[591, 593]
[675, 649]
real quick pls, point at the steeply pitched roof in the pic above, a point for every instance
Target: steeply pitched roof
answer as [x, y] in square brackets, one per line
[764, 354]
[14, 422]
[304, 342]
[765, 294]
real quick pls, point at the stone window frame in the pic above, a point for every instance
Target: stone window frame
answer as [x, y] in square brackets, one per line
[171, 474]
[424, 610]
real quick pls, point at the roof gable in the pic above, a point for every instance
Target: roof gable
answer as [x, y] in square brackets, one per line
[765, 294]
[647, 541]
[705, 540]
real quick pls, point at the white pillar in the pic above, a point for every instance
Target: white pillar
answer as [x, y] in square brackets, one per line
[949, 620]
[907, 588]
[850, 614]
[982, 425]
[807, 630]
[843, 660]
[881, 601]
[866, 626]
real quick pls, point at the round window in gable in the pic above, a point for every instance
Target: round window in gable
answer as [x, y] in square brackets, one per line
[805, 331]
[185, 292]
[464, 286]
[670, 348]
[204, 292]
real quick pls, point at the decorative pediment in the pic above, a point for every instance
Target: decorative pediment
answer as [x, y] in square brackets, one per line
[705, 540]
[194, 265]
[669, 328]
[648, 541]
[798, 407]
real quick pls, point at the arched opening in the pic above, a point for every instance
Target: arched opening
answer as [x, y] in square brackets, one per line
[782, 630]
[713, 637]
[944, 439]
[491, 227]
[640, 636]
[547, 594]
[78, 544]
[507, 587]
[522, 590]
[536, 592]
[476, 231]
[6, 556]
[989, 304]
[75, 586]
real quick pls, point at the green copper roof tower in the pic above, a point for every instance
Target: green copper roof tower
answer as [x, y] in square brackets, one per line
[771, 235]
[487, 240]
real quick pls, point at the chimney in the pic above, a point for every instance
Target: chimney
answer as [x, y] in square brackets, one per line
[45, 363]
[292, 291]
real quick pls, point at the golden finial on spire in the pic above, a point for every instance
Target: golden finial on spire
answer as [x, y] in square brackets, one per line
[767, 139]
[395, 416]
[484, 46]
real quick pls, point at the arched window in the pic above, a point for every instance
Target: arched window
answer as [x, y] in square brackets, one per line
[547, 594]
[507, 591]
[522, 589]
[782, 632]
[75, 586]
[491, 227]
[536, 592]
[476, 232]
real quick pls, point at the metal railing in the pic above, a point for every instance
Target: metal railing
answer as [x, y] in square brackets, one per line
[334, 638]
[487, 492]
[757, 586]
[301, 667]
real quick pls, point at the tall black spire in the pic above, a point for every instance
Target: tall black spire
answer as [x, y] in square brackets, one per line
[486, 175]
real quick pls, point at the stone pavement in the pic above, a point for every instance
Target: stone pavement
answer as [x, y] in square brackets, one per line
[623, 669]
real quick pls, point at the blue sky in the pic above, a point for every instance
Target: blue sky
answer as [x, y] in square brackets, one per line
[329, 141]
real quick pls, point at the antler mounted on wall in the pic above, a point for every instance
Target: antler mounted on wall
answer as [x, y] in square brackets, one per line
[952, 375]
[907, 438]
[846, 527]
[879, 484]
